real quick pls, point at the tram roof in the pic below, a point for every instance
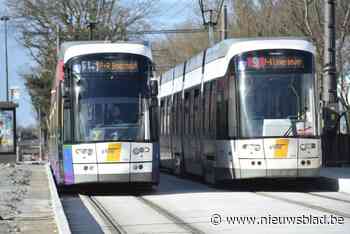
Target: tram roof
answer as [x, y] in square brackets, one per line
[232, 47]
[72, 49]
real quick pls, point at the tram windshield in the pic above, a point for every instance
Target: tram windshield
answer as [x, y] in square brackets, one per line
[276, 94]
[110, 97]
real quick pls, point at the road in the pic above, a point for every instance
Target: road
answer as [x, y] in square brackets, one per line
[189, 206]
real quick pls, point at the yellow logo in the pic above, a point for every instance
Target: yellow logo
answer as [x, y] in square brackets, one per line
[281, 148]
[113, 152]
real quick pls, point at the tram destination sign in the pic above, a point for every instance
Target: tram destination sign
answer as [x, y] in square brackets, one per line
[267, 61]
[93, 66]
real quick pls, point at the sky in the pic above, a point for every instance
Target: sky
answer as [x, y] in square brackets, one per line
[18, 60]
[172, 12]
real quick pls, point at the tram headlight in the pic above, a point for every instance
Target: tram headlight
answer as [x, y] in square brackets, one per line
[138, 150]
[84, 151]
[255, 147]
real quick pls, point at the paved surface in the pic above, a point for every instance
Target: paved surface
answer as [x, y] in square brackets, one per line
[32, 210]
[341, 175]
[8, 158]
[189, 206]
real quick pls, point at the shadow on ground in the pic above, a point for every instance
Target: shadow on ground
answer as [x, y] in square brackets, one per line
[79, 218]
[172, 185]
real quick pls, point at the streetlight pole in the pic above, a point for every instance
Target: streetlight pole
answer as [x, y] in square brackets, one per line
[329, 92]
[5, 19]
[91, 26]
[211, 29]
[210, 17]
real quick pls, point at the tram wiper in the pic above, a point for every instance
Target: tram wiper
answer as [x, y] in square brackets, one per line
[293, 125]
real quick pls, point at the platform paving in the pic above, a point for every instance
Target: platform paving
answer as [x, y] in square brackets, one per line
[341, 175]
[26, 201]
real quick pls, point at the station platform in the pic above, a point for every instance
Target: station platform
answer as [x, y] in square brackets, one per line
[340, 175]
[35, 205]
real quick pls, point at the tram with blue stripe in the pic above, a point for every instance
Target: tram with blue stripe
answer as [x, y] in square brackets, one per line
[104, 118]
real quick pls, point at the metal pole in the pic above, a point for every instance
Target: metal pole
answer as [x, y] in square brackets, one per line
[5, 19]
[211, 29]
[91, 31]
[329, 69]
[224, 24]
[211, 34]
[40, 137]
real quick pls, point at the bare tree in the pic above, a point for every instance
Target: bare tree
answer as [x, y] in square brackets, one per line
[38, 21]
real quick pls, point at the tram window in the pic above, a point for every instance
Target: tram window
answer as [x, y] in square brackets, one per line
[186, 112]
[179, 115]
[207, 88]
[196, 110]
[166, 116]
[162, 117]
[169, 116]
[174, 120]
[212, 118]
[221, 108]
[67, 128]
[232, 106]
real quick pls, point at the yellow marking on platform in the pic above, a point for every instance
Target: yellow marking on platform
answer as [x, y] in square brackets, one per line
[281, 148]
[113, 152]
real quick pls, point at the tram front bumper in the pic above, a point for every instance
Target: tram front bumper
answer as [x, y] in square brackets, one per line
[142, 172]
[278, 168]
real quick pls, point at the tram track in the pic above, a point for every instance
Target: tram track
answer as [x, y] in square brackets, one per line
[114, 227]
[328, 197]
[174, 218]
[112, 224]
[304, 204]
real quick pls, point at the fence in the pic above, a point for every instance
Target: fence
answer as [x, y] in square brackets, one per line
[336, 150]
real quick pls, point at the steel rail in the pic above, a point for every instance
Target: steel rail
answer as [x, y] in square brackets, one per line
[104, 214]
[304, 204]
[328, 197]
[177, 220]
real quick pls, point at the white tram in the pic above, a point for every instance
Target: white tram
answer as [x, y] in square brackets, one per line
[244, 108]
[103, 119]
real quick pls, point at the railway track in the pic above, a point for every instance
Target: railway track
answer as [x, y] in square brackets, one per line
[135, 212]
[305, 204]
[110, 224]
[107, 218]
[177, 220]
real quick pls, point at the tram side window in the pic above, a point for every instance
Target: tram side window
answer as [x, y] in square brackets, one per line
[179, 115]
[165, 116]
[212, 118]
[168, 116]
[162, 117]
[174, 114]
[207, 89]
[221, 108]
[190, 116]
[67, 128]
[196, 119]
[187, 113]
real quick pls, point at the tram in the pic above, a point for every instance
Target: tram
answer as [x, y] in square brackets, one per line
[244, 108]
[103, 117]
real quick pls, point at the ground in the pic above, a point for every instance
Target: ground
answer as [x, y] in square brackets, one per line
[14, 184]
